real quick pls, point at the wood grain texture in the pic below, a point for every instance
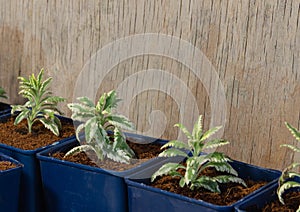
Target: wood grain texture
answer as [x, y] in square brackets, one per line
[254, 47]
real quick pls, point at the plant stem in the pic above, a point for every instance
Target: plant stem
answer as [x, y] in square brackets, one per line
[29, 122]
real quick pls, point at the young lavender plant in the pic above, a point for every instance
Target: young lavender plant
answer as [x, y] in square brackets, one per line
[41, 105]
[286, 181]
[2, 93]
[197, 162]
[96, 121]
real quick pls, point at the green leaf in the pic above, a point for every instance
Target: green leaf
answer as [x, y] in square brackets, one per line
[184, 130]
[120, 144]
[111, 100]
[120, 121]
[42, 86]
[172, 153]
[191, 172]
[21, 116]
[99, 150]
[292, 175]
[220, 166]
[15, 108]
[118, 156]
[79, 128]
[176, 144]
[217, 157]
[91, 126]
[293, 130]
[51, 125]
[196, 146]
[286, 173]
[81, 110]
[200, 160]
[55, 99]
[228, 178]
[57, 122]
[77, 149]
[197, 130]
[86, 102]
[101, 103]
[215, 143]
[81, 117]
[40, 75]
[207, 183]
[175, 174]
[101, 137]
[181, 182]
[294, 148]
[287, 185]
[210, 132]
[166, 169]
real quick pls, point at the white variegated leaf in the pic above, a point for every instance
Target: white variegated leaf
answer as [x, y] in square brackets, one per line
[228, 178]
[51, 125]
[210, 132]
[91, 126]
[176, 144]
[78, 149]
[184, 130]
[284, 187]
[172, 153]
[166, 169]
[293, 130]
[214, 144]
[207, 183]
[21, 116]
[294, 148]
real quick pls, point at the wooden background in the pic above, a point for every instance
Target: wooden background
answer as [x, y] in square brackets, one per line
[254, 47]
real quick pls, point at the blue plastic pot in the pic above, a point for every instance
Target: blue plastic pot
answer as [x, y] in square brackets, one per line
[142, 197]
[4, 108]
[259, 200]
[31, 184]
[71, 186]
[10, 185]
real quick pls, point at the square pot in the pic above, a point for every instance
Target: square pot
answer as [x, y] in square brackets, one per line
[143, 197]
[10, 185]
[4, 108]
[31, 183]
[257, 202]
[76, 187]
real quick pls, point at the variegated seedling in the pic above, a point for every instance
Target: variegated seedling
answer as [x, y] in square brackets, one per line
[96, 121]
[286, 180]
[197, 162]
[41, 105]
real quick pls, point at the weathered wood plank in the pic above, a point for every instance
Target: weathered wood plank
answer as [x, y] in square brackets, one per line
[253, 45]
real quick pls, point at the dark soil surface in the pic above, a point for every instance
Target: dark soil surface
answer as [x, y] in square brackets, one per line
[230, 192]
[5, 165]
[19, 137]
[143, 153]
[291, 200]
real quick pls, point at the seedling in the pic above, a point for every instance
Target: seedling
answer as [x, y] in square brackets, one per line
[96, 121]
[41, 105]
[2, 93]
[197, 162]
[286, 179]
